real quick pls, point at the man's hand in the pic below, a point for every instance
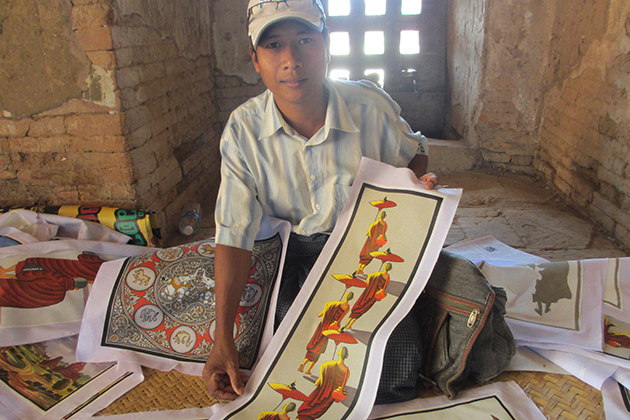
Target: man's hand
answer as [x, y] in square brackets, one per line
[430, 180]
[221, 373]
[419, 165]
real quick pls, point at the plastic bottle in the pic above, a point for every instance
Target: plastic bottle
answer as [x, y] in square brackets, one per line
[190, 220]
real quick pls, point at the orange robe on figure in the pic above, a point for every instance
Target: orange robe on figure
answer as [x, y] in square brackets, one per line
[43, 282]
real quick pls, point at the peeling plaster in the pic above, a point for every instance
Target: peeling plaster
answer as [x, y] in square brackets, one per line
[101, 87]
[171, 19]
[231, 43]
[42, 64]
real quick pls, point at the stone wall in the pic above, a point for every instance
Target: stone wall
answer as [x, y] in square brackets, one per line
[107, 103]
[585, 120]
[497, 58]
[236, 79]
[61, 130]
[465, 40]
[542, 88]
[164, 73]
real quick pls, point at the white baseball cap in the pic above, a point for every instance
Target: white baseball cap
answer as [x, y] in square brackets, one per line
[263, 13]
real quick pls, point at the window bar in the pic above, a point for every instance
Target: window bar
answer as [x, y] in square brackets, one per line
[392, 60]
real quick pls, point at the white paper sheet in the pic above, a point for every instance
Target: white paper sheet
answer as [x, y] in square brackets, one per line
[617, 289]
[158, 310]
[492, 251]
[45, 381]
[590, 354]
[616, 399]
[44, 227]
[500, 401]
[588, 370]
[418, 221]
[38, 264]
[527, 359]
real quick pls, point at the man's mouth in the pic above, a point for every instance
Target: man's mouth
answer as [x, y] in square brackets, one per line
[293, 82]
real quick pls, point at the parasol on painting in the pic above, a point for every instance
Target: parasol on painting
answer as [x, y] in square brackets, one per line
[382, 204]
[386, 256]
[287, 391]
[349, 281]
[339, 336]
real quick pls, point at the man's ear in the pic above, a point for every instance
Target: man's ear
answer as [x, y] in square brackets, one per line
[254, 56]
[326, 35]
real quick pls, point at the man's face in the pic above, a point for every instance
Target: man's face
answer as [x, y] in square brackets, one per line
[292, 59]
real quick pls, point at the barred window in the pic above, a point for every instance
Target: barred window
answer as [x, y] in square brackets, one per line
[385, 41]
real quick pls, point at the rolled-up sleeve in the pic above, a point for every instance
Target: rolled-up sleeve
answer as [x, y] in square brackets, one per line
[399, 143]
[411, 143]
[238, 212]
[402, 141]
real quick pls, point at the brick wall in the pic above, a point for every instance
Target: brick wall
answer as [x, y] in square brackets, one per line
[542, 88]
[164, 73]
[232, 91]
[61, 130]
[108, 103]
[585, 130]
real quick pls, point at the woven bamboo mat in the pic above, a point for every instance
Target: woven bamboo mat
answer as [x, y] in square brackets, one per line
[558, 396]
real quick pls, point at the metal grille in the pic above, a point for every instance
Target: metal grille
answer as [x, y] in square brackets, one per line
[402, 72]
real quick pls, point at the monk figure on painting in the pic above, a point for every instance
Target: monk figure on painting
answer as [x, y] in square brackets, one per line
[329, 388]
[375, 239]
[375, 291]
[331, 315]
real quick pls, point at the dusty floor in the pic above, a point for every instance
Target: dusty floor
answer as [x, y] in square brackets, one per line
[515, 209]
[524, 214]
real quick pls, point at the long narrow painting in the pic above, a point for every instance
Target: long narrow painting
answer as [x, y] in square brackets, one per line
[326, 357]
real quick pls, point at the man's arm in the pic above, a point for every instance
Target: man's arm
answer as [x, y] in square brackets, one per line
[221, 372]
[419, 165]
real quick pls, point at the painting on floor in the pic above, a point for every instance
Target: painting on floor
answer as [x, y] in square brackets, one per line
[44, 286]
[44, 380]
[556, 302]
[498, 401]
[159, 310]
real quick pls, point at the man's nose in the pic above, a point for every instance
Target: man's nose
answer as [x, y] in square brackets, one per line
[291, 57]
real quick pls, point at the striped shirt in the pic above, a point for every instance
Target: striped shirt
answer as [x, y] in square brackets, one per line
[267, 168]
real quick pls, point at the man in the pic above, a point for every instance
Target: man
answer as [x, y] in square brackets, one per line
[293, 153]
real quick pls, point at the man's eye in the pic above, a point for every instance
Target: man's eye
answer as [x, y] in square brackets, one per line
[305, 40]
[272, 45]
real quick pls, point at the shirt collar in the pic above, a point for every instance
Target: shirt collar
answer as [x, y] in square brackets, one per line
[272, 120]
[338, 115]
